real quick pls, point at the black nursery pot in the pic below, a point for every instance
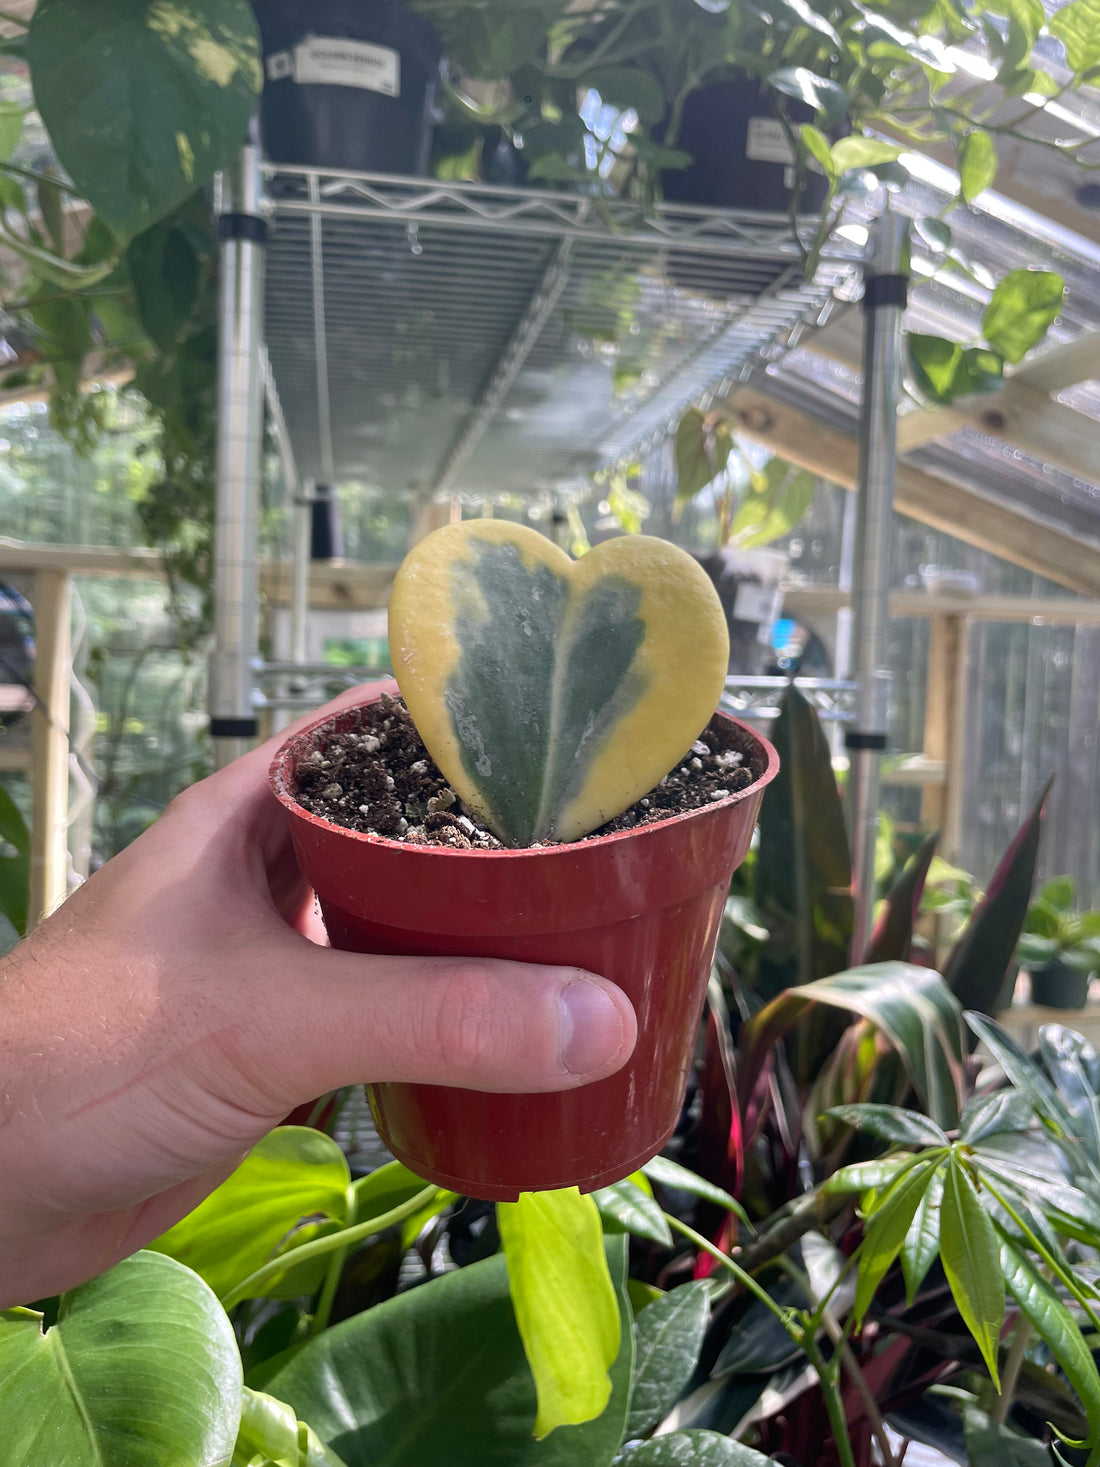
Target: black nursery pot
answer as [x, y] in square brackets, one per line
[1058, 986]
[348, 84]
[742, 157]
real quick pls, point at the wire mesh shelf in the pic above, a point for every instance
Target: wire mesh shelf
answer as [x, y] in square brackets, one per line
[460, 339]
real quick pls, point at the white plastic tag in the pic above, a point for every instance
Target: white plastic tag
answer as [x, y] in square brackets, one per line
[341, 63]
[767, 141]
[757, 603]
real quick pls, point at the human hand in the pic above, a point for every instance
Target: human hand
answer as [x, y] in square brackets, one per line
[180, 1004]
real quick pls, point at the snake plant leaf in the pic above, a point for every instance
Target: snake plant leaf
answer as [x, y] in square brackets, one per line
[554, 693]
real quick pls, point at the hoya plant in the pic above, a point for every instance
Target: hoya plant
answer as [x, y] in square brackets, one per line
[554, 693]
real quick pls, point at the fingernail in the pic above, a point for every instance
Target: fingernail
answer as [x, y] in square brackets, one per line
[591, 1028]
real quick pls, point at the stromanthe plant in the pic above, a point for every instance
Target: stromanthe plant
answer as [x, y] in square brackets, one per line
[554, 693]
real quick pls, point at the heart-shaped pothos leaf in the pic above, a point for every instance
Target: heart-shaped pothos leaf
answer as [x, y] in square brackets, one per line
[554, 693]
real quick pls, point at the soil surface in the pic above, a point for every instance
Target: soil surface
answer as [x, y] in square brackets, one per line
[378, 777]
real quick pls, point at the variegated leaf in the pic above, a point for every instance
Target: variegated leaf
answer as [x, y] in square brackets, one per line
[554, 693]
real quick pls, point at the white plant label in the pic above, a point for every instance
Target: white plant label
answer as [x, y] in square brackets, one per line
[342, 63]
[767, 141]
[757, 603]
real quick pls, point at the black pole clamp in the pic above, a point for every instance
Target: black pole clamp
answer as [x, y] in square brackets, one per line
[885, 290]
[234, 728]
[248, 227]
[856, 741]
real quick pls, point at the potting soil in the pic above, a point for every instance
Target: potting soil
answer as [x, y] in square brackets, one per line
[377, 777]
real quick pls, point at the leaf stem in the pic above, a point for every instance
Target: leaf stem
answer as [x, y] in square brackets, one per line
[1011, 1373]
[332, 1243]
[802, 1336]
[833, 1402]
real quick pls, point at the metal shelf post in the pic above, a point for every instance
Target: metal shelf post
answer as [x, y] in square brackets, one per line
[886, 284]
[243, 232]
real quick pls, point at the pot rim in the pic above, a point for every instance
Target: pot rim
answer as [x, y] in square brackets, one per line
[282, 764]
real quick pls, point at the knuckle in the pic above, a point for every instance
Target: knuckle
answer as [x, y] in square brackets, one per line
[468, 1029]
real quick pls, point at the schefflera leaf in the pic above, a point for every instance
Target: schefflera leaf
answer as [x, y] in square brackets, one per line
[554, 693]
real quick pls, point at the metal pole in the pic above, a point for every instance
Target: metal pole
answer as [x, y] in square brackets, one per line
[299, 602]
[886, 281]
[243, 232]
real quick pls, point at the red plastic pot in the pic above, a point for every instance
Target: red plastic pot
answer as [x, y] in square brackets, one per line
[641, 908]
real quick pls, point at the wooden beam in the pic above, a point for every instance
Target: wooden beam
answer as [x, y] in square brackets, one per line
[1047, 431]
[825, 601]
[969, 515]
[1062, 366]
[52, 600]
[945, 725]
[333, 584]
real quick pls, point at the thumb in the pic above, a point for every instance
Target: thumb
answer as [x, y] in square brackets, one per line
[332, 1018]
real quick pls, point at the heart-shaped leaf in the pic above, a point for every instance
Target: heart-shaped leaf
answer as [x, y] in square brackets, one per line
[140, 1367]
[554, 693]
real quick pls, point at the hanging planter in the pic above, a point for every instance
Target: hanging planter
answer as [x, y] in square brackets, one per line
[348, 84]
[742, 155]
[642, 908]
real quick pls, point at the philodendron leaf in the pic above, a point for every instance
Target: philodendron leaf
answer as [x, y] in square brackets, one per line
[564, 1301]
[438, 1375]
[554, 693]
[292, 1174]
[272, 1436]
[694, 1448]
[165, 92]
[141, 1367]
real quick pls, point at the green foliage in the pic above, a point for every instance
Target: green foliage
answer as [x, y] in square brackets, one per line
[977, 163]
[1054, 932]
[669, 1337]
[1024, 304]
[140, 1366]
[272, 1436]
[976, 966]
[439, 1374]
[164, 94]
[293, 1175]
[694, 1449]
[803, 869]
[1020, 311]
[910, 1006]
[564, 1303]
[757, 506]
[15, 866]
